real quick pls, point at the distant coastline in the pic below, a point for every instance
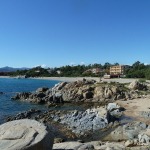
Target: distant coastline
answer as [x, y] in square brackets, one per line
[5, 77]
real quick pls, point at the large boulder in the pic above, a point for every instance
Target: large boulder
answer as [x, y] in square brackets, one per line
[25, 134]
[115, 110]
[135, 85]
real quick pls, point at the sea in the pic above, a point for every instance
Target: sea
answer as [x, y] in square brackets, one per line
[11, 86]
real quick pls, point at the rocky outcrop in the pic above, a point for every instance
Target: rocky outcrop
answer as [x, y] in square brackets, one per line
[77, 121]
[81, 91]
[32, 113]
[108, 92]
[81, 122]
[135, 85]
[135, 133]
[128, 131]
[26, 135]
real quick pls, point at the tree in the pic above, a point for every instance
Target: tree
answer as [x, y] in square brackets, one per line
[107, 65]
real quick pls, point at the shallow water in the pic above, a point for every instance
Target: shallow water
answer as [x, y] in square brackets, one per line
[11, 86]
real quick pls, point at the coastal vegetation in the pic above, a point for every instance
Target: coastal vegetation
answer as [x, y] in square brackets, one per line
[136, 70]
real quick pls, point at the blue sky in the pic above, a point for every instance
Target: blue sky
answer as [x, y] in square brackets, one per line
[64, 32]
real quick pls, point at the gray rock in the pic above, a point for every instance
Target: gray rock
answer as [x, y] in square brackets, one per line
[81, 122]
[67, 145]
[22, 96]
[145, 114]
[129, 131]
[135, 85]
[41, 90]
[112, 106]
[129, 143]
[114, 112]
[25, 134]
[144, 137]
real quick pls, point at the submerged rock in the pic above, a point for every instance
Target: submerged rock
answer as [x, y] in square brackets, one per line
[1, 93]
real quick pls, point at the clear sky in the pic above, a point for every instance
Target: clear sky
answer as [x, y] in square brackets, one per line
[64, 32]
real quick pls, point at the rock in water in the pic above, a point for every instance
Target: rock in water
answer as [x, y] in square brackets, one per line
[25, 134]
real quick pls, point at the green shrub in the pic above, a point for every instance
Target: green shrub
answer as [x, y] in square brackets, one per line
[142, 80]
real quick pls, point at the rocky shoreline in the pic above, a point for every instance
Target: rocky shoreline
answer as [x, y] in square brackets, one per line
[83, 91]
[99, 127]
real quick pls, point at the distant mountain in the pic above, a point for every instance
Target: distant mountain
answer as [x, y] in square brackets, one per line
[11, 69]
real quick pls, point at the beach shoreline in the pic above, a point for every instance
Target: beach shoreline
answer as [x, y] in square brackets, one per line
[5, 77]
[72, 79]
[98, 79]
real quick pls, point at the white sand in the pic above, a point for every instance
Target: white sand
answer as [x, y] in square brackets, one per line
[71, 79]
[67, 79]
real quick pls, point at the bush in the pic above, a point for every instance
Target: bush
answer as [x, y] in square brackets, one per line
[142, 80]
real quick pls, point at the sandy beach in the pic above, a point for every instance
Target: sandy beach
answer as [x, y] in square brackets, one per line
[72, 79]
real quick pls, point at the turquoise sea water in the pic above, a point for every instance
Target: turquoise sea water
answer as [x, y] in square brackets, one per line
[10, 86]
